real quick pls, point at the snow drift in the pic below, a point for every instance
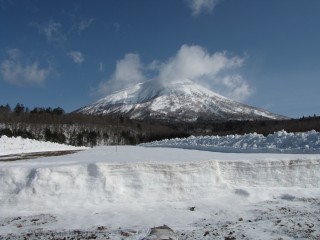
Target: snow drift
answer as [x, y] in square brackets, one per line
[279, 142]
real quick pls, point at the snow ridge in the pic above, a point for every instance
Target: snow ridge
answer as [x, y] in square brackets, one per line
[279, 142]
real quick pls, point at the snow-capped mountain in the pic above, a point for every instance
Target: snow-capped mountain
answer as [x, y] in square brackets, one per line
[179, 101]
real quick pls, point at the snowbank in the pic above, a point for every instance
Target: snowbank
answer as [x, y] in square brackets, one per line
[17, 145]
[138, 174]
[279, 142]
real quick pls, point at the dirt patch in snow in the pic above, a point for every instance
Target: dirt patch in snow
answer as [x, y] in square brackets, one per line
[297, 218]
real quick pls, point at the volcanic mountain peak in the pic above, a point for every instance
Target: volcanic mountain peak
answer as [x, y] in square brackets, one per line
[178, 101]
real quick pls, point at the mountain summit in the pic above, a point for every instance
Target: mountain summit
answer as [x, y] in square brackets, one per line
[179, 101]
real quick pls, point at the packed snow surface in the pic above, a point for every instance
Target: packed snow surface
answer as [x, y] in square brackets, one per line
[17, 145]
[279, 142]
[120, 192]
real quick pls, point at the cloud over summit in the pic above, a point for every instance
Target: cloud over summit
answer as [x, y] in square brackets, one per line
[128, 72]
[216, 71]
[194, 63]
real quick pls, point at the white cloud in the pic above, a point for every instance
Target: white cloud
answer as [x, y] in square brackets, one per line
[199, 6]
[14, 72]
[217, 71]
[85, 24]
[76, 56]
[127, 73]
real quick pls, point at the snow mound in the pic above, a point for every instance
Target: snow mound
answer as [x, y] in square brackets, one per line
[279, 142]
[17, 145]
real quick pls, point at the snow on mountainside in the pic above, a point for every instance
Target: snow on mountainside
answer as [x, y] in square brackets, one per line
[181, 101]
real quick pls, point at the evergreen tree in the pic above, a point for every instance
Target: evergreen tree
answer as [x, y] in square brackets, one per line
[58, 111]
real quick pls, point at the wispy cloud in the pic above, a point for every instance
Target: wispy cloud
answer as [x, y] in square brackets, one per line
[116, 26]
[84, 24]
[200, 6]
[76, 56]
[15, 72]
[14, 53]
[78, 22]
[101, 66]
[51, 30]
[234, 86]
[217, 71]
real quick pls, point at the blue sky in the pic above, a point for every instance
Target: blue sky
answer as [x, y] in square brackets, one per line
[71, 53]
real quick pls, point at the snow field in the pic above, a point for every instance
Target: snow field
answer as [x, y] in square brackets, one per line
[279, 142]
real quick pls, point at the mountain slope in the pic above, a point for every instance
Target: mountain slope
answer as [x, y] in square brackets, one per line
[179, 101]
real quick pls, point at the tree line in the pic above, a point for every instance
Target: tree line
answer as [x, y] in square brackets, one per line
[55, 125]
[20, 108]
